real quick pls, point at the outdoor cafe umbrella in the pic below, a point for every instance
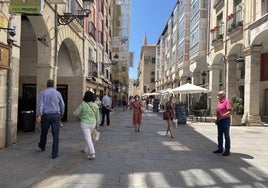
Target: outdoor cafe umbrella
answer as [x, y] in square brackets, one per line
[189, 89]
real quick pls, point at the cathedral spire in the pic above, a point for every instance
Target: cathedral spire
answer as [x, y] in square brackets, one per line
[145, 39]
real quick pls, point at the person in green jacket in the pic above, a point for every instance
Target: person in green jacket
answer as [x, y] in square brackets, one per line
[88, 111]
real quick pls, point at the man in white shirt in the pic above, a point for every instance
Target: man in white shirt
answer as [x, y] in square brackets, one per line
[106, 109]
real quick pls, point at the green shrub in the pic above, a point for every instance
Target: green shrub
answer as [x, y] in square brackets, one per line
[237, 105]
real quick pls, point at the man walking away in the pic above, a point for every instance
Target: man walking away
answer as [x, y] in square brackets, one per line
[49, 112]
[106, 109]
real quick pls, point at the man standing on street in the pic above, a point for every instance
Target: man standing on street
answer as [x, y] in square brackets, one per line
[223, 123]
[49, 112]
[106, 109]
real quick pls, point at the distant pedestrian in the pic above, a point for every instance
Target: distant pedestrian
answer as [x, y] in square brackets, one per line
[223, 123]
[114, 101]
[137, 113]
[98, 101]
[130, 100]
[88, 111]
[105, 109]
[124, 101]
[49, 112]
[170, 109]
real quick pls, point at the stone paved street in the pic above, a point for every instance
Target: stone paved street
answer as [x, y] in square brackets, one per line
[139, 160]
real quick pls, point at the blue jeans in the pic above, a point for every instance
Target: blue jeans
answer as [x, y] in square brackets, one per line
[105, 112]
[52, 120]
[224, 129]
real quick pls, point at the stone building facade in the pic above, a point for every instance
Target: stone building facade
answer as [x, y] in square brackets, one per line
[146, 69]
[238, 54]
[77, 55]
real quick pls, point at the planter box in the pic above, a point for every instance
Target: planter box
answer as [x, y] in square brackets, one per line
[236, 120]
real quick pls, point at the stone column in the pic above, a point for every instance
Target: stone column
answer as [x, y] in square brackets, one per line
[196, 81]
[214, 81]
[183, 96]
[252, 85]
[231, 77]
[196, 78]
[44, 72]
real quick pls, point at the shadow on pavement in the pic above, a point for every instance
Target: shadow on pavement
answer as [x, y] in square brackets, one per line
[147, 159]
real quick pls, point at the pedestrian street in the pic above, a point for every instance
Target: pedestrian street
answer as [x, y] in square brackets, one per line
[125, 158]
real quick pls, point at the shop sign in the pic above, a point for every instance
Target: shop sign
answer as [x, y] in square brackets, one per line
[56, 1]
[2, 21]
[4, 56]
[26, 6]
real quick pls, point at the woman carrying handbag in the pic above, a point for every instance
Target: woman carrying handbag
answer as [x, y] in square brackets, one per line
[170, 115]
[88, 111]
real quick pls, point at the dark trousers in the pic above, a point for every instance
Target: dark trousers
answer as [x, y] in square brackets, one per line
[105, 112]
[224, 130]
[52, 120]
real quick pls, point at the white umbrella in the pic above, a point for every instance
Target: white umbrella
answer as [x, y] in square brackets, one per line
[188, 89]
[166, 91]
[154, 93]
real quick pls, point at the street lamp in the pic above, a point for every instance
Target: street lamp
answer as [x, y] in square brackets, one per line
[67, 18]
[204, 77]
[108, 64]
[188, 80]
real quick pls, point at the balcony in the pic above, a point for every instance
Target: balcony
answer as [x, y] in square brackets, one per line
[218, 39]
[234, 24]
[217, 34]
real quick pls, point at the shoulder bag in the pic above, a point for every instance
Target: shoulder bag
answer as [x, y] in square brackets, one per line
[95, 133]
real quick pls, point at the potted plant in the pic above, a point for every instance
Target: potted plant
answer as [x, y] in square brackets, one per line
[237, 110]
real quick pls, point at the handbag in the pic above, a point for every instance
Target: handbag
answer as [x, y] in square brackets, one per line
[95, 135]
[142, 109]
[165, 115]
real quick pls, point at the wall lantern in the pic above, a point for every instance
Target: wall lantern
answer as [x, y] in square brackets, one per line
[188, 80]
[204, 76]
[67, 18]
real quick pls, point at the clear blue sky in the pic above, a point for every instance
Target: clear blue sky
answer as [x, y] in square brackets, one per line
[147, 17]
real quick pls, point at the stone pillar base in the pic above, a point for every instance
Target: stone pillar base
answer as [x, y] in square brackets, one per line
[254, 120]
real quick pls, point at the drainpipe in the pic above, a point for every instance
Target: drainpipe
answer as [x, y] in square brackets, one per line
[56, 45]
[9, 87]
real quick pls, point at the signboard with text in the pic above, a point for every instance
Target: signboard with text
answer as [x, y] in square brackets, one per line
[26, 6]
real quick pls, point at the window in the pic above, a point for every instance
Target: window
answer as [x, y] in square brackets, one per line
[92, 29]
[194, 37]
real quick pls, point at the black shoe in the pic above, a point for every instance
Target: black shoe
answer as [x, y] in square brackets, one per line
[42, 149]
[101, 124]
[226, 153]
[53, 157]
[108, 124]
[217, 151]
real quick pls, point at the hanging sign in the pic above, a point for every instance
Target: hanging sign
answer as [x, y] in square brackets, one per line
[4, 56]
[56, 1]
[26, 6]
[2, 21]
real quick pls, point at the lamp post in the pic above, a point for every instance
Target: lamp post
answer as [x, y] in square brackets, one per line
[65, 19]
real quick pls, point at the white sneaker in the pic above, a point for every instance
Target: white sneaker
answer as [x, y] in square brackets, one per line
[91, 156]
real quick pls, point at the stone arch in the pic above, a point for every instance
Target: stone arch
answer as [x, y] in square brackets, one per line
[73, 57]
[260, 38]
[259, 60]
[74, 43]
[70, 75]
[35, 62]
[235, 71]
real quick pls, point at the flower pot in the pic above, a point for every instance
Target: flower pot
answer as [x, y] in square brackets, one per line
[236, 120]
